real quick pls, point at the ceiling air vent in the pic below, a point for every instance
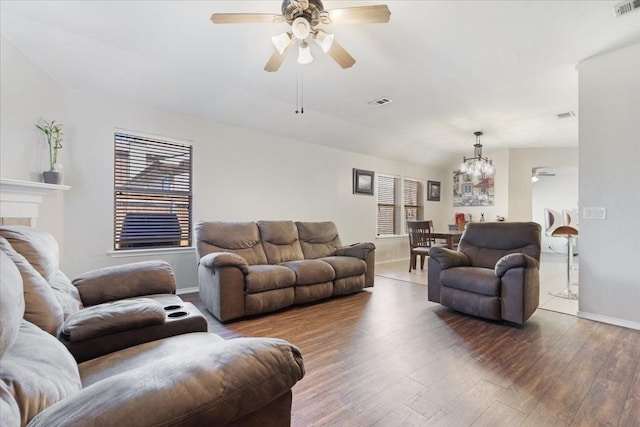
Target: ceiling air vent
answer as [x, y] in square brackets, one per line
[626, 7]
[384, 100]
[566, 115]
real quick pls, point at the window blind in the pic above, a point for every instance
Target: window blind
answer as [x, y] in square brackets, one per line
[386, 205]
[413, 201]
[152, 192]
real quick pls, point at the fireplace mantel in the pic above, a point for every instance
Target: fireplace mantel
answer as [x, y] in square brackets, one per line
[22, 199]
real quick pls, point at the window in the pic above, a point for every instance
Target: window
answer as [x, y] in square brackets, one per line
[152, 192]
[388, 223]
[413, 200]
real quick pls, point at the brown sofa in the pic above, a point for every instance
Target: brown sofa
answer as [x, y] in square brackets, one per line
[191, 379]
[494, 273]
[248, 268]
[103, 310]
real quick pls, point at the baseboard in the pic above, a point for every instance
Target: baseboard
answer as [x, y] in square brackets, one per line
[181, 291]
[609, 320]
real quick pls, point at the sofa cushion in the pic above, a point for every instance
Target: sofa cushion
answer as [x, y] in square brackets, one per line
[66, 294]
[477, 280]
[311, 271]
[41, 305]
[37, 246]
[346, 266]
[241, 238]
[280, 241]
[318, 239]
[267, 277]
[38, 371]
[11, 302]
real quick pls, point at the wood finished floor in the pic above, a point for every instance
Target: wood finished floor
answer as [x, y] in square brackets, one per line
[388, 357]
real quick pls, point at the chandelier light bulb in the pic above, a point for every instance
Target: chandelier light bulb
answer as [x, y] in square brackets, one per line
[324, 40]
[281, 41]
[304, 53]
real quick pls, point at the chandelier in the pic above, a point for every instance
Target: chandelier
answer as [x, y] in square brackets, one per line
[477, 165]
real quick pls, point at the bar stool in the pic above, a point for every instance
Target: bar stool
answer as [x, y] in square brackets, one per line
[558, 225]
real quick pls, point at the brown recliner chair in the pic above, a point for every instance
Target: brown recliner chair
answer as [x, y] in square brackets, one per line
[103, 310]
[194, 379]
[494, 273]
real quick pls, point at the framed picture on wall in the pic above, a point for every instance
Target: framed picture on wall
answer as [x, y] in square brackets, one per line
[363, 182]
[433, 191]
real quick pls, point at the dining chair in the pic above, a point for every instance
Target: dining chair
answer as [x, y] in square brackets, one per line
[420, 241]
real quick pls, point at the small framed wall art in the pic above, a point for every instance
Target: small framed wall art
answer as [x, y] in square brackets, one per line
[433, 191]
[363, 182]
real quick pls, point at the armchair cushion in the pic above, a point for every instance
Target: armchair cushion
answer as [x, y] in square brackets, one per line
[448, 258]
[39, 248]
[510, 261]
[477, 280]
[125, 281]
[108, 318]
[41, 306]
[224, 259]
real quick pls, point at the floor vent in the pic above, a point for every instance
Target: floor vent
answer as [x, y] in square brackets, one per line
[382, 101]
[626, 7]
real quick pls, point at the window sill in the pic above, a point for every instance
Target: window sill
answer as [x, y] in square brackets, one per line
[391, 236]
[148, 252]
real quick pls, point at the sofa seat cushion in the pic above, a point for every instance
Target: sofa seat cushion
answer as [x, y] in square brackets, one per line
[477, 280]
[311, 271]
[38, 371]
[268, 277]
[346, 266]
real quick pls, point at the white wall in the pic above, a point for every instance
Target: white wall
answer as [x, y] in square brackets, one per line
[609, 156]
[28, 95]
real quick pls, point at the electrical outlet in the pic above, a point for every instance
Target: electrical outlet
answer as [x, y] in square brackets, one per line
[594, 213]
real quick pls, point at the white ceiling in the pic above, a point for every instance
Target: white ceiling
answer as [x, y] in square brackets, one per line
[451, 68]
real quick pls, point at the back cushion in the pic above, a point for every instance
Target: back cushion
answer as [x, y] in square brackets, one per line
[318, 239]
[38, 371]
[11, 302]
[67, 295]
[485, 243]
[280, 241]
[41, 305]
[37, 246]
[241, 238]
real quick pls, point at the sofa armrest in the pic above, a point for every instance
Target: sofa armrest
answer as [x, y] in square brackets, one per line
[518, 260]
[125, 281]
[448, 258]
[356, 250]
[208, 384]
[224, 259]
[112, 317]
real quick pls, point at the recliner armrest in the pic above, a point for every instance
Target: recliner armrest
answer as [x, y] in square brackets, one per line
[112, 317]
[448, 258]
[125, 281]
[224, 259]
[356, 250]
[517, 260]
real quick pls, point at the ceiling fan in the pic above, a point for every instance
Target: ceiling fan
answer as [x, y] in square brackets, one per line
[536, 173]
[304, 16]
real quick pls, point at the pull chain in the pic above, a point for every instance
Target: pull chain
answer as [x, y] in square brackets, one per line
[300, 90]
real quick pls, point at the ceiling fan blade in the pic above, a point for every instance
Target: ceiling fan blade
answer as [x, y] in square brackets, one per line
[246, 18]
[359, 15]
[340, 55]
[277, 58]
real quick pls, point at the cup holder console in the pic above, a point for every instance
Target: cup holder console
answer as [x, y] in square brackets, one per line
[172, 307]
[177, 314]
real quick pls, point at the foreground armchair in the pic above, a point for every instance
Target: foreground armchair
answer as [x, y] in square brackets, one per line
[101, 311]
[194, 379]
[494, 273]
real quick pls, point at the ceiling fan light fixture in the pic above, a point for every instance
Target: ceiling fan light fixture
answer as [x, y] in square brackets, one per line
[304, 53]
[324, 40]
[301, 28]
[281, 41]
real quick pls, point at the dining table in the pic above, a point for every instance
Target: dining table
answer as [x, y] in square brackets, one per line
[452, 237]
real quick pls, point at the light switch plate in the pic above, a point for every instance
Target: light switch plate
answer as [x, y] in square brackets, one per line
[594, 213]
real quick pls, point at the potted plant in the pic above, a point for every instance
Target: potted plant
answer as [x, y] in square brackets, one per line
[53, 133]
